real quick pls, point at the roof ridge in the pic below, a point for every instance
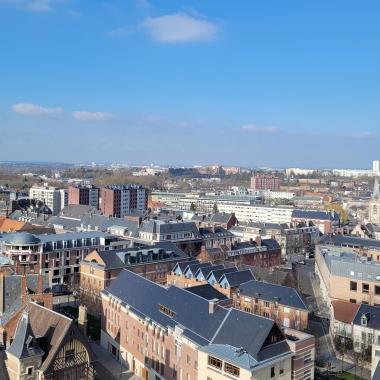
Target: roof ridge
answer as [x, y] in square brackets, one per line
[221, 325]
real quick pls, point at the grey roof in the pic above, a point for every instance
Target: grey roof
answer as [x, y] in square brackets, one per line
[376, 373]
[11, 296]
[315, 214]
[271, 244]
[190, 313]
[234, 332]
[206, 270]
[21, 238]
[184, 264]
[194, 267]
[221, 217]
[73, 236]
[271, 292]
[348, 264]
[207, 292]
[161, 227]
[373, 316]
[214, 232]
[220, 272]
[24, 342]
[350, 241]
[159, 252]
[77, 211]
[237, 278]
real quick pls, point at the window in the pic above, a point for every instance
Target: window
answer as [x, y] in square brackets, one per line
[353, 286]
[307, 375]
[272, 372]
[69, 356]
[214, 362]
[231, 369]
[307, 357]
[352, 300]
[30, 371]
[365, 288]
[377, 290]
[266, 304]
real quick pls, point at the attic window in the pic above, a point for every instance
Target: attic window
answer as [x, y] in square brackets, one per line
[166, 311]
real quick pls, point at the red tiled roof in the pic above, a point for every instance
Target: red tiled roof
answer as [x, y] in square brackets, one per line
[345, 311]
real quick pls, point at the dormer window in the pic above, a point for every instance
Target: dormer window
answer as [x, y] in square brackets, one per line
[364, 320]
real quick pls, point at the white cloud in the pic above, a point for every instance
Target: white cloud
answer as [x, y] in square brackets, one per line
[259, 129]
[29, 109]
[35, 5]
[180, 28]
[93, 116]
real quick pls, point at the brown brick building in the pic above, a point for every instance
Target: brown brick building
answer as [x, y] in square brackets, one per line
[100, 268]
[172, 333]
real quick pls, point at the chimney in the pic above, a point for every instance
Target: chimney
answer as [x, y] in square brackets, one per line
[40, 285]
[82, 319]
[212, 305]
[2, 291]
[258, 241]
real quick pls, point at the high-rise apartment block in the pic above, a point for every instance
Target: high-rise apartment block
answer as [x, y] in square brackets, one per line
[52, 197]
[121, 200]
[265, 182]
[84, 195]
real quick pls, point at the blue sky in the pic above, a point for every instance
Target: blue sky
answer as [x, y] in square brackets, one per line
[255, 83]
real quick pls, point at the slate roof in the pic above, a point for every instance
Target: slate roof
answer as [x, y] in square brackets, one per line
[237, 278]
[220, 272]
[226, 327]
[270, 292]
[206, 270]
[160, 227]
[214, 232]
[24, 343]
[21, 238]
[11, 296]
[77, 211]
[240, 327]
[356, 242]
[347, 264]
[315, 214]
[373, 316]
[184, 264]
[118, 258]
[376, 373]
[207, 292]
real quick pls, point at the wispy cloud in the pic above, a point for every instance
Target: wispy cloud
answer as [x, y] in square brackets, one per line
[29, 109]
[93, 116]
[259, 129]
[35, 5]
[180, 28]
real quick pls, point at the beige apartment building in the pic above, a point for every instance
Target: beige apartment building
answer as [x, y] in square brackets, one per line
[346, 276]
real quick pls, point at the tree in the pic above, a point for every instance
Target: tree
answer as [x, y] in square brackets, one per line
[192, 207]
[215, 208]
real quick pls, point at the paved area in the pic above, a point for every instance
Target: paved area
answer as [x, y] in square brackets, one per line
[108, 367]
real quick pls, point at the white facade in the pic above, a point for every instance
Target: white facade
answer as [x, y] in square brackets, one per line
[49, 195]
[257, 213]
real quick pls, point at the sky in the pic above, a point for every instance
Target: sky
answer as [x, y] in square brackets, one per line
[251, 83]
